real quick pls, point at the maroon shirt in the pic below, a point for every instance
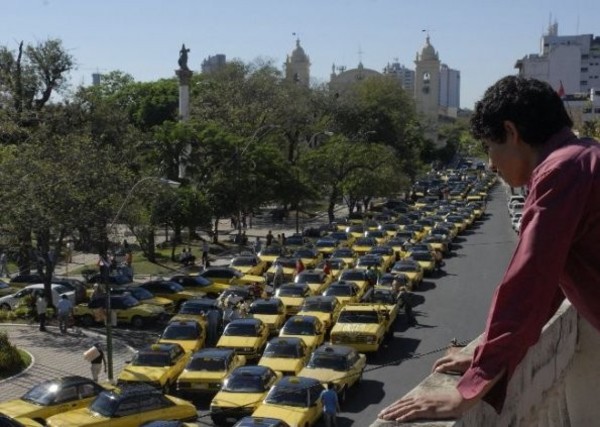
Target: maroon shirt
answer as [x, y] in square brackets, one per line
[558, 255]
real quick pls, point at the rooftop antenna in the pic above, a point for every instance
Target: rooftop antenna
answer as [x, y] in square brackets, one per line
[360, 52]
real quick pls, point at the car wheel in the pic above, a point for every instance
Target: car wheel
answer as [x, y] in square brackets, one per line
[137, 322]
[5, 307]
[87, 320]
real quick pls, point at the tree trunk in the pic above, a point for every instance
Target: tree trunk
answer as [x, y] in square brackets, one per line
[331, 207]
[215, 237]
[151, 246]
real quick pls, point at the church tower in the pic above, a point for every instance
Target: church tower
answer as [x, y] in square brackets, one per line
[297, 66]
[427, 81]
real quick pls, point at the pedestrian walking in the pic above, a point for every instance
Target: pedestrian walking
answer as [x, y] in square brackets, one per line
[257, 245]
[65, 311]
[212, 334]
[40, 308]
[97, 360]
[269, 238]
[70, 246]
[331, 405]
[405, 300]
[299, 266]
[277, 276]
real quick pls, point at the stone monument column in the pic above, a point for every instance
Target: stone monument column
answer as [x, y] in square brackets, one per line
[184, 75]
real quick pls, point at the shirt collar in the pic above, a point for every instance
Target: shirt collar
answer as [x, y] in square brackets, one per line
[559, 139]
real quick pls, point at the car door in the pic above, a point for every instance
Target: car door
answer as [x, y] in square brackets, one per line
[128, 413]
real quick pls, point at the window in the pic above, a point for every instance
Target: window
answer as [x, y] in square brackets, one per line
[66, 394]
[127, 407]
[87, 390]
[152, 403]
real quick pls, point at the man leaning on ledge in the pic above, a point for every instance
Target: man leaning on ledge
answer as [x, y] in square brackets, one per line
[526, 132]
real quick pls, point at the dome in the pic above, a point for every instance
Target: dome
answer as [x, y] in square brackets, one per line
[298, 54]
[428, 51]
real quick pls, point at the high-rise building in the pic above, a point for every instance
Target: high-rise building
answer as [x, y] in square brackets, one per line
[570, 62]
[297, 66]
[405, 76]
[449, 88]
[213, 63]
[571, 65]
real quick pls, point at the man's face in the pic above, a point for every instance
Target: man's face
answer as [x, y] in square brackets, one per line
[512, 159]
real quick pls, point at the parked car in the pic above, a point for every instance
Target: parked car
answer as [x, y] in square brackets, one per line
[10, 302]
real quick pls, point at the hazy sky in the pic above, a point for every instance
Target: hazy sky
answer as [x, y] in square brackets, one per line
[481, 38]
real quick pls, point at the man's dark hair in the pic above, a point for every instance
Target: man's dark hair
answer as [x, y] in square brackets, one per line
[532, 105]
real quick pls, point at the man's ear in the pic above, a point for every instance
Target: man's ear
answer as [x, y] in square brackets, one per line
[512, 133]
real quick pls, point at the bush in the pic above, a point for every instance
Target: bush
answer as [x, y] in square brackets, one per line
[11, 361]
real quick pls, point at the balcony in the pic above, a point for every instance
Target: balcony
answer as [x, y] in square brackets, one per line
[554, 386]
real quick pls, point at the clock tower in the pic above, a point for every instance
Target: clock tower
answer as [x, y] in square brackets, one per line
[427, 81]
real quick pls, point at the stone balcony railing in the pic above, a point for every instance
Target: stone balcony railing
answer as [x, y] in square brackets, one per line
[554, 385]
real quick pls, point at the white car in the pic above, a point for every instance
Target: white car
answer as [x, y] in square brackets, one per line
[516, 221]
[9, 302]
[515, 199]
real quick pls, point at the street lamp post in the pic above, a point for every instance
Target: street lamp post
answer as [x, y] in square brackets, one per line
[109, 346]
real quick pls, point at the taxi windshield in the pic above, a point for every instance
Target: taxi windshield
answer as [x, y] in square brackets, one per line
[240, 330]
[323, 361]
[180, 332]
[104, 405]
[147, 358]
[281, 349]
[322, 306]
[264, 309]
[299, 328]
[244, 383]
[291, 291]
[211, 364]
[358, 317]
[288, 396]
[42, 394]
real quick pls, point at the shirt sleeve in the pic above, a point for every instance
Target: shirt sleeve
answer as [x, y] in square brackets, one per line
[529, 293]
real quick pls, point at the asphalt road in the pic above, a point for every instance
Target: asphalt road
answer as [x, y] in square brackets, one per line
[453, 305]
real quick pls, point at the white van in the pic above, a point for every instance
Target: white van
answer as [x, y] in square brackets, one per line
[9, 302]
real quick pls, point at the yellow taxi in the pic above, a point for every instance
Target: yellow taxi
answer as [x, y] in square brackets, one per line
[316, 280]
[417, 229]
[287, 264]
[7, 421]
[127, 407]
[292, 295]
[52, 397]
[242, 391]
[397, 245]
[310, 257]
[426, 260]
[326, 246]
[412, 269]
[355, 230]
[206, 369]
[197, 310]
[390, 229]
[387, 298]
[249, 264]
[144, 296]
[126, 308]
[297, 400]
[308, 328]
[157, 364]
[198, 284]
[269, 254]
[326, 309]
[358, 276]
[189, 334]
[387, 254]
[285, 355]
[339, 364]
[170, 290]
[380, 236]
[271, 311]
[343, 239]
[336, 266]
[362, 245]
[345, 254]
[247, 337]
[345, 292]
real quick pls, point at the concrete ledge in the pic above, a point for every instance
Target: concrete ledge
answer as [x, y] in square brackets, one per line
[536, 393]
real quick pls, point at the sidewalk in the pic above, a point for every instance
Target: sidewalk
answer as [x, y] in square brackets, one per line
[55, 355]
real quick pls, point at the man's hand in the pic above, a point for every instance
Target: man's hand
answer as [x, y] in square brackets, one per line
[454, 362]
[443, 405]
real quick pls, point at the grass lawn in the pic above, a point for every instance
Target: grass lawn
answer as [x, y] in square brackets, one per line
[26, 362]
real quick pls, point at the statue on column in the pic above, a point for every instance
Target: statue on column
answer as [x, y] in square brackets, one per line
[183, 58]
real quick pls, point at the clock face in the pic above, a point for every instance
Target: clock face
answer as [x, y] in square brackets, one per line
[426, 77]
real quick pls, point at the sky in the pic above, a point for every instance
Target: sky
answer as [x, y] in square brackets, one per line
[481, 38]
